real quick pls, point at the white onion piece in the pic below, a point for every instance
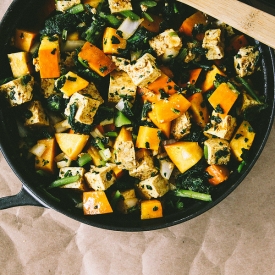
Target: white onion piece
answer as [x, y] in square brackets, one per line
[22, 130]
[168, 141]
[38, 149]
[96, 133]
[166, 168]
[105, 154]
[128, 27]
[121, 105]
[107, 121]
[71, 45]
[62, 126]
[169, 54]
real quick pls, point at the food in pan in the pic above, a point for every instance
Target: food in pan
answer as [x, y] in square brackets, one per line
[132, 107]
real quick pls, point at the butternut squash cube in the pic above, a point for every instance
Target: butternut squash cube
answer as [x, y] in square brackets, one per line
[223, 99]
[151, 209]
[49, 57]
[71, 83]
[184, 154]
[164, 127]
[112, 41]
[46, 161]
[242, 140]
[199, 110]
[208, 83]
[71, 144]
[96, 59]
[96, 202]
[169, 109]
[148, 138]
[24, 39]
[20, 63]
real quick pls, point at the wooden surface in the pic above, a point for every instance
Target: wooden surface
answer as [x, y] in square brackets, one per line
[249, 20]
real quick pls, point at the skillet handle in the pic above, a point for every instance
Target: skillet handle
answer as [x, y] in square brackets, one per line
[20, 199]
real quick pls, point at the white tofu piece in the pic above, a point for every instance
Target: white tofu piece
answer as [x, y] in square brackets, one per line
[145, 165]
[39, 117]
[154, 187]
[221, 127]
[119, 5]
[20, 64]
[121, 85]
[93, 92]
[100, 178]
[144, 71]
[47, 87]
[65, 4]
[181, 126]
[73, 171]
[218, 151]
[86, 108]
[168, 39]
[191, 55]
[213, 42]
[245, 61]
[18, 91]
[122, 64]
[125, 157]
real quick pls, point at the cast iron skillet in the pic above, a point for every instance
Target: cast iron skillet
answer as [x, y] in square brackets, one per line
[23, 11]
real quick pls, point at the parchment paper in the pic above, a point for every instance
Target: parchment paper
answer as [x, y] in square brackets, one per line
[235, 237]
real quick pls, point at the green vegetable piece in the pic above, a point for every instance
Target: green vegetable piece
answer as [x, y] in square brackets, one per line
[76, 9]
[121, 120]
[192, 195]
[84, 159]
[64, 181]
[130, 14]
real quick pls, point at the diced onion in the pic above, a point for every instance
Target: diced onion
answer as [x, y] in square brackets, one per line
[38, 149]
[128, 27]
[71, 45]
[166, 168]
[168, 141]
[96, 133]
[62, 126]
[22, 131]
[105, 154]
[169, 54]
[121, 105]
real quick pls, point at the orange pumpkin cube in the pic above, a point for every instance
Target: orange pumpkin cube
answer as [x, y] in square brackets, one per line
[96, 202]
[151, 209]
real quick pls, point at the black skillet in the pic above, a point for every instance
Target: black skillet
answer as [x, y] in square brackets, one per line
[30, 194]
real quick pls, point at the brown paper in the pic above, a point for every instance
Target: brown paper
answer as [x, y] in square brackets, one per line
[235, 237]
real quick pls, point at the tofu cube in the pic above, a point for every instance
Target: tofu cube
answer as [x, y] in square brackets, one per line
[70, 83]
[153, 187]
[73, 171]
[100, 178]
[65, 4]
[180, 127]
[168, 39]
[38, 117]
[213, 42]
[122, 64]
[20, 63]
[191, 54]
[47, 87]
[221, 127]
[92, 91]
[86, 108]
[144, 71]
[145, 165]
[245, 60]
[119, 5]
[121, 86]
[125, 157]
[217, 151]
[18, 91]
